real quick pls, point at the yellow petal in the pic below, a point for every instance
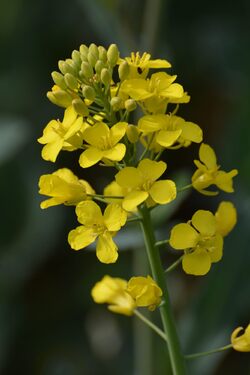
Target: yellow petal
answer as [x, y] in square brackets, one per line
[128, 178]
[51, 202]
[136, 88]
[133, 199]
[114, 217]
[74, 128]
[191, 132]
[49, 133]
[183, 236]
[226, 218]
[204, 222]
[96, 133]
[144, 291]
[197, 263]
[151, 123]
[241, 343]
[69, 117]
[81, 237]
[217, 252]
[90, 157]
[151, 170]
[167, 138]
[224, 180]
[174, 91]
[118, 131]
[163, 191]
[115, 153]
[158, 63]
[207, 156]
[106, 249]
[89, 213]
[51, 150]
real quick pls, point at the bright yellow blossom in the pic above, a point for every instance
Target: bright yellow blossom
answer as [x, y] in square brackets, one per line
[123, 297]
[139, 65]
[241, 343]
[145, 292]
[96, 225]
[65, 135]
[64, 188]
[226, 218]
[208, 173]
[113, 291]
[154, 93]
[103, 144]
[141, 184]
[170, 130]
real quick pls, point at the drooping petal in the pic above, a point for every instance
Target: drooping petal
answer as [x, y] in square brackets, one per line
[129, 178]
[51, 150]
[106, 249]
[106, 289]
[217, 252]
[133, 199]
[49, 133]
[204, 222]
[51, 202]
[115, 153]
[90, 157]
[183, 236]
[174, 91]
[81, 237]
[197, 263]
[151, 170]
[224, 180]
[89, 213]
[241, 343]
[191, 132]
[163, 191]
[114, 217]
[226, 218]
[207, 156]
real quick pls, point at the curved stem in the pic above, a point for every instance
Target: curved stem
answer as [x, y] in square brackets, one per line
[176, 357]
[151, 325]
[202, 354]
[174, 265]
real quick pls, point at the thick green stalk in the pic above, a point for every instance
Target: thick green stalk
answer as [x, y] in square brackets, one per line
[176, 356]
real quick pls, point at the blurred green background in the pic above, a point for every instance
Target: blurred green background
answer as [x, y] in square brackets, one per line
[48, 322]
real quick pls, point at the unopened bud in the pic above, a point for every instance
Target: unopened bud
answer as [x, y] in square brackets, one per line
[92, 59]
[58, 79]
[105, 76]
[130, 105]
[112, 54]
[94, 50]
[99, 66]
[80, 107]
[71, 81]
[60, 98]
[83, 50]
[132, 133]
[88, 92]
[102, 54]
[123, 70]
[86, 70]
[116, 103]
[65, 67]
[76, 57]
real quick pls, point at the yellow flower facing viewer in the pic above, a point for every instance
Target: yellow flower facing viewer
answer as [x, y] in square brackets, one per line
[241, 343]
[170, 130]
[96, 225]
[208, 173]
[103, 144]
[64, 188]
[65, 135]
[142, 186]
[202, 238]
[124, 297]
[139, 65]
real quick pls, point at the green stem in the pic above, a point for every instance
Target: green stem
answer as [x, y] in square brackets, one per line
[184, 188]
[176, 357]
[174, 265]
[160, 243]
[202, 354]
[151, 325]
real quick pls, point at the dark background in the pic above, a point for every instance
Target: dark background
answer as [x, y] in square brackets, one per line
[48, 323]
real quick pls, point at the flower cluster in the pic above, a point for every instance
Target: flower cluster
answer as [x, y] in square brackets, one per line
[100, 92]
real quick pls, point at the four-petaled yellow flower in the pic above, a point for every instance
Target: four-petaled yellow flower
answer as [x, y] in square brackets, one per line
[202, 238]
[64, 188]
[241, 343]
[103, 144]
[96, 225]
[170, 130]
[65, 135]
[124, 297]
[208, 173]
[139, 65]
[142, 186]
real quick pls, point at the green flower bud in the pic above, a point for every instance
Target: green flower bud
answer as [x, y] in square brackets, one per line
[130, 105]
[99, 66]
[116, 103]
[88, 92]
[83, 50]
[112, 54]
[76, 57]
[94, 50]
[132, 133]
[102, 54]
[71, 81]
[58, 80]
[65, 67]
[86, 70]
[105, 76]
[123, 70]
[80, 107]
[60, 98]
[92, 59]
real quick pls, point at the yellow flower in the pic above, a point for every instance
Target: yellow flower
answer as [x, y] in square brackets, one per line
[113, 291]
[145, 292]
[155, 92]
[98, 226]
[139, 65]
[103, 144]
[170, 130]
[226, 218]
[65, 135]
[123, 297]
[64, 188]
[141, 184]
[208, 173]
[241, 343]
